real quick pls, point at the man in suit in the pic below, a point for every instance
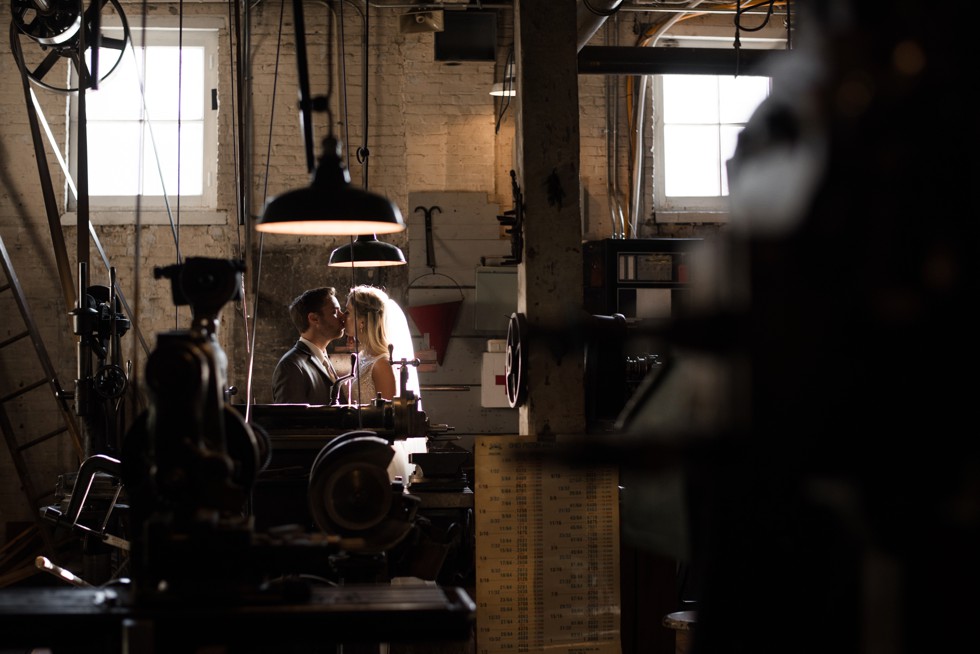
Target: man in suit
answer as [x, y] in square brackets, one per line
[304, 374]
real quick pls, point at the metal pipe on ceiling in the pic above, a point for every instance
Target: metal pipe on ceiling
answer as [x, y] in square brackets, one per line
[591, 15]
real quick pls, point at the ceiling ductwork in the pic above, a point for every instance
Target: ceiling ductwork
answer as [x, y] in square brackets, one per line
[590, 16]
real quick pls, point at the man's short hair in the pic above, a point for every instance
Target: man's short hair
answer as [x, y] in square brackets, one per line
[309, 301]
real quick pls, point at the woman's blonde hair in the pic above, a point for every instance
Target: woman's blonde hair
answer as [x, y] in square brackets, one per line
[369, 302]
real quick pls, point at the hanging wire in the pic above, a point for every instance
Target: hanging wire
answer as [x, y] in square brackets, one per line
[505, 99]
[265, 193]
[236, 64]
[362, 152]
[237, 133]
[357, 342]
[353, 280]
[139, 61]
[180, 110]
[789, 25]
[343, 72]
[153, 145]
[612, 144]
[740, 11]
[329, 96]
[180, 103]
[241, 211]
[145, 119]
[134, 378]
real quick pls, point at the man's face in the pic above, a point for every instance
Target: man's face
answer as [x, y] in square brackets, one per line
[330, 321]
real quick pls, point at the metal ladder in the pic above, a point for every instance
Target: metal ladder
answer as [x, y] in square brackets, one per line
[20, 440]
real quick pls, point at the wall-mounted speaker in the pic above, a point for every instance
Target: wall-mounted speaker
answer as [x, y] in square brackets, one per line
[415, 22]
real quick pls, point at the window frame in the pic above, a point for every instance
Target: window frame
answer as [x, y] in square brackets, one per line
[194, 209]
[679, 209]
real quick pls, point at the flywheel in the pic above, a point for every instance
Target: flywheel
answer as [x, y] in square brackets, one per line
[515, 365]
[56, 26]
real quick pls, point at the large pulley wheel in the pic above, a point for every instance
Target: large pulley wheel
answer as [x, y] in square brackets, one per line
[48, 23]
[56, 25]
[350, 494]
[515, 365]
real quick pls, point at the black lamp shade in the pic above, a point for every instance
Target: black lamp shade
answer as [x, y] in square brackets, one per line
[330, 205]
[367, 252]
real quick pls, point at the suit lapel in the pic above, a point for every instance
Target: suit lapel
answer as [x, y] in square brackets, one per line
[317, 361]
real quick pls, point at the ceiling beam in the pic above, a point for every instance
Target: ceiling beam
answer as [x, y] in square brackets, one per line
[625, 60]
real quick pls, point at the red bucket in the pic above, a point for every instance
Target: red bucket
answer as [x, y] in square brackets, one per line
[436, 320]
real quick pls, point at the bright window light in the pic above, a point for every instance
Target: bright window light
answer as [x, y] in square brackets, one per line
[133, 144]
[698, 120]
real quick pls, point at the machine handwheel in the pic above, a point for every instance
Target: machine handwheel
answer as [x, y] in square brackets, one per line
[515, 365]
[110, 381]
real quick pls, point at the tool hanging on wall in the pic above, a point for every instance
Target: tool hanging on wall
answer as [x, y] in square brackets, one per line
[513, 220]
[430, 254]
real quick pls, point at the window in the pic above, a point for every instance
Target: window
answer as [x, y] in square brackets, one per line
[159, 101]
[697, 122]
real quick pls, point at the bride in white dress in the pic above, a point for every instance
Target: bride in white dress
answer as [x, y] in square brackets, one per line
[378, 321]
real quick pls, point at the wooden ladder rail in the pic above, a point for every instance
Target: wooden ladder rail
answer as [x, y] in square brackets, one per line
[70, 425]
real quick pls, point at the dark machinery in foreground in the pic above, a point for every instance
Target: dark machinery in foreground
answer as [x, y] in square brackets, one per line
[188, 473]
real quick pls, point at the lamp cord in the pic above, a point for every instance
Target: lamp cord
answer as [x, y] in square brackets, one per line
[305, 102]
[362, 152]
[330, 69]
[505, 100]
[180, 104]
[353, 280]
[341, 34]
[265, 194]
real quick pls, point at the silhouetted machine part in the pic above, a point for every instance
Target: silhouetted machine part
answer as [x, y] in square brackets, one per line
[351, 496]
[395, 419]
[513, 222]
[56, 25]
[100, 324]
[601, 340]
[191, 451]
[190, 460]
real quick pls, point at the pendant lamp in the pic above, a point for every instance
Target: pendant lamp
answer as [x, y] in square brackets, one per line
[501, 89]
[367, 252]
[508, 87]
[330, 205]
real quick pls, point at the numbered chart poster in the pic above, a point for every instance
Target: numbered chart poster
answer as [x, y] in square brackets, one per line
[547, 551]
